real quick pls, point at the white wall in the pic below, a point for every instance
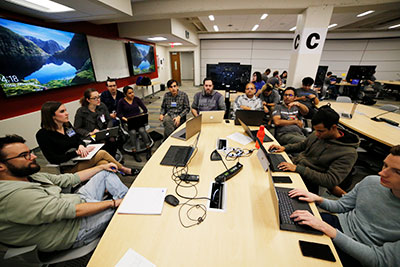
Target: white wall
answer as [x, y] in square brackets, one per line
[187, 65]
[275, 54]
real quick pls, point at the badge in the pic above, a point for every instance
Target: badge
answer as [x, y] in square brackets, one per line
[173, 104]
[102, 118]
[70, 132]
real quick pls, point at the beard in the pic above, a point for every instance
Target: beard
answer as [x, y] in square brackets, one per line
[32, 168]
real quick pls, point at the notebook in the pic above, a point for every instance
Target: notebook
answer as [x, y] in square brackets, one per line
[179, 155]
[135, 122]
[253, 134]
[213, 116]
[284, 206]
[250, 117]
[192, 127]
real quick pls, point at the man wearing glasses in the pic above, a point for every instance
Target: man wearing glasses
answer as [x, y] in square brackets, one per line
[111, 97]
[288, 117]
[35, 211]
[174, 107]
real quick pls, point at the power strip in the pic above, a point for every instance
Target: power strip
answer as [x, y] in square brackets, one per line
[228, 174]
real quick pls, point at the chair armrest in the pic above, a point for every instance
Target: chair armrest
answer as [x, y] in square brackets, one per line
[13, 252]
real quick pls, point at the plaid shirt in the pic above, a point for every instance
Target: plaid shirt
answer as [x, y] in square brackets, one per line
[175, 105]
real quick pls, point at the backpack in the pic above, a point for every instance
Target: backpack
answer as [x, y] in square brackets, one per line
[139, 80]
[146, 80]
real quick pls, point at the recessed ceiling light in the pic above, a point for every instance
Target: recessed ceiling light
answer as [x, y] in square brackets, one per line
[255, 27]
[216, 28]
[332, 25]
[293, 28]
[264, 16]
[211, 17]
[365, 13]
[42, 5]
[158, 38]
[394, 26]
[175, 43]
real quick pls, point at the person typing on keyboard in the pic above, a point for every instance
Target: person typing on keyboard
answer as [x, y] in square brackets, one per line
[326, 156]
[365, 231]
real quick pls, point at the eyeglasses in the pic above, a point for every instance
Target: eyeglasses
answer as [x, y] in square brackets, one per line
[95, 98]
[27, 155]
[288, 95]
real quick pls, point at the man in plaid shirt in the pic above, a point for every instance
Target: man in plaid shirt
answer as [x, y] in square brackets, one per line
[174, 107]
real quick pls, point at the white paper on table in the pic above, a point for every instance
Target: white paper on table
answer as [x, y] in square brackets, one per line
[132, 258]
[143, 200]
[96, 147]
[240, 138]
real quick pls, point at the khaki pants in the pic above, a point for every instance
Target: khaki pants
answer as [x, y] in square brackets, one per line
[101, 157]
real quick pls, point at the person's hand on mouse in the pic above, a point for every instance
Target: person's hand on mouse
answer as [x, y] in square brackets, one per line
[286, 166]
[304, 217]
[276, 148]
[304, 195]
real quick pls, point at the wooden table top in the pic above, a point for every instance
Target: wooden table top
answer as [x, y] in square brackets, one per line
[361, 122]
[246, 234]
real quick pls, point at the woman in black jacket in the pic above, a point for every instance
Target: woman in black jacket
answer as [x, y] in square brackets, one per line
[93, 116]
[60, 143]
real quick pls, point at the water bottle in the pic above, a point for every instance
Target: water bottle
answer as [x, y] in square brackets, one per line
[260, 136]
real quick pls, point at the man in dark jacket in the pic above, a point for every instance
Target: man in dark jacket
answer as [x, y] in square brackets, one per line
[326, 156]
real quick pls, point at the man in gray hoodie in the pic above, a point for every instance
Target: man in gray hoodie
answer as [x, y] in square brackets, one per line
[326, 156]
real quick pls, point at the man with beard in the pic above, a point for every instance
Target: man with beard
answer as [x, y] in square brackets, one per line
[208, 99]
[35, 211]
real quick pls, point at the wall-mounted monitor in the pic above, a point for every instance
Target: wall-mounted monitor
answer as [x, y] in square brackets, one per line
[140, 58]
[229, 75]
[34, 59]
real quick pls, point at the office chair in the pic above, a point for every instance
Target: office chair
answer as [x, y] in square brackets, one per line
[30, 254]
[343, 99]
[390, 107]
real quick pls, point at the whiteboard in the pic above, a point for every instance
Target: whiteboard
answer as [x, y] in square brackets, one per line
[108, 58]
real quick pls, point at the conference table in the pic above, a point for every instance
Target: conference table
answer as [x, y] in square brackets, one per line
[246, 233]
[361, 122]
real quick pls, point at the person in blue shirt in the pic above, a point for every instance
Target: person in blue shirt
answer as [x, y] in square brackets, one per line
[257, 80]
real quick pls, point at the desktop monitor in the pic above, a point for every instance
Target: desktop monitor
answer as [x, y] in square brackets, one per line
[320, 77]
[360, 72]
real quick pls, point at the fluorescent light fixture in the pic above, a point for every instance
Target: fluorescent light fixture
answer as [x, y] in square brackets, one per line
[255, 27]
[42, 5]
[332, 25]
[211, 17]
[216, 28]
[157, 38]
[264, 16]
[394, 26]
[175, 44]
[293, 28]
[365, 13]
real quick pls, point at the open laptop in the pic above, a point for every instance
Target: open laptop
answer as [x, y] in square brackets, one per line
[284, 206]
[253, 134]
[250, 117]
[135, 122]
[192, 127]
[213, 116]
[273, 159]
[106, 133]
[179, 155]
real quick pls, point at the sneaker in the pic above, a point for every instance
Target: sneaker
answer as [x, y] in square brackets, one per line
[148, 154]
[136, 157]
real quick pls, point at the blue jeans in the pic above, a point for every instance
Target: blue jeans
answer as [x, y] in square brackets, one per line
[93, 226]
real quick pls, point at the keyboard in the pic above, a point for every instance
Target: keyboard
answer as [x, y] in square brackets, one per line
[274, 161]
[285, 207]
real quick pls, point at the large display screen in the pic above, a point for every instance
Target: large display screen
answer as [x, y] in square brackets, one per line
[229, 75]
[140, 58]
[34, 58]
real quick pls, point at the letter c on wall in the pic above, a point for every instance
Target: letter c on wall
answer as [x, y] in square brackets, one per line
[297, 41]
[310, 39]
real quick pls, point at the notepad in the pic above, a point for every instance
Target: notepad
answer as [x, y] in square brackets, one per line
[91, 153]
[143, 200]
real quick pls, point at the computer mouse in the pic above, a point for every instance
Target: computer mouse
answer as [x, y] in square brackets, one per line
[172, 200]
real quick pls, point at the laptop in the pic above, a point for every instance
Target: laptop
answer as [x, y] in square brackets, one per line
[213, 116]
[253, 134]
[351, 114]
[135, 122]
[192, 127]
[273, 159]
[284, 206]
[250, 117]
[179, 156]
[104, 134]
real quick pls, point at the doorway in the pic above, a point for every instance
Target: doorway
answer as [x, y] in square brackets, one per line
[176, 66]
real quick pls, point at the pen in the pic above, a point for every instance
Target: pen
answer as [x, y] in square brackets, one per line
[113, 168]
